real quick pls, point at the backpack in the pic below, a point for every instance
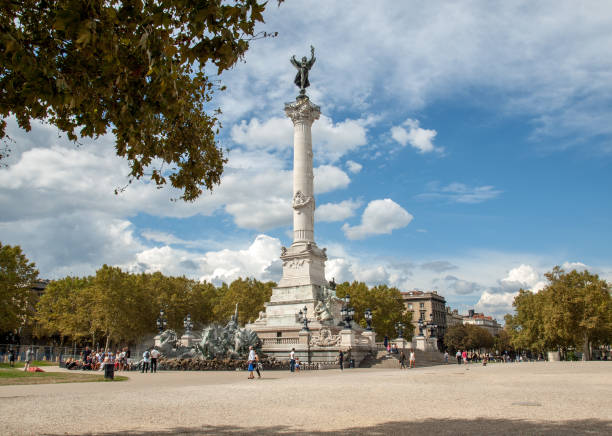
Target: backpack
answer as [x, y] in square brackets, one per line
[146, 354]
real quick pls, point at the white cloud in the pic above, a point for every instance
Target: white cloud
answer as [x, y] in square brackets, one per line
[416, 136]
[379, 217]
[578, 266]
[274, 133]
[331, 141]
[257, 260]
[460, 193]
[329, 178]
[337, 211]
[353, 167]
[494, 304]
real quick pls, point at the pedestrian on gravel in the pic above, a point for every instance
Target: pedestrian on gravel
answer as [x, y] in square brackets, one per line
[464, 357]
[412, 358]
[446, 357]
[146, 358]
[458, 356]
[292, 360]
[154, 356]
[251, 362]
[402, 359]
[341, 359]
[258, 366]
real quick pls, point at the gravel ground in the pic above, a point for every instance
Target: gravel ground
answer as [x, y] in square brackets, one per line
[520, 398]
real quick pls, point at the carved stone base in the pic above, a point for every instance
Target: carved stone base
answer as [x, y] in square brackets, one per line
[303, 264]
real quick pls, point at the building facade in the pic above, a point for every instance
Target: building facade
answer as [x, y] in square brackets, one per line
[427, 307]
[481, 320]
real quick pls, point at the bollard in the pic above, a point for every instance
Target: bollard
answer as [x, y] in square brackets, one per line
[109, 371]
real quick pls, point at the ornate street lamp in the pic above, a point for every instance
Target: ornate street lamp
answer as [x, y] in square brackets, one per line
[304, 318]
[187, 324]
[368, 317]
[420, 323]
[347, 312]
[400, 330]
[162, 322]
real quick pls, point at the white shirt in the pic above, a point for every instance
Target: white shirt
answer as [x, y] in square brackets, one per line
[292, 355]
[252, 355]
[155, 354]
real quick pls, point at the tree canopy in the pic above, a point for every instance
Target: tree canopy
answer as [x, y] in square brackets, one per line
[468, 337]
[135, 67]
[573, 310]
[17, 275]
[120, 307]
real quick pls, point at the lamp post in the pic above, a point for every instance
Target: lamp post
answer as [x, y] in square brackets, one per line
[304, 318]
[368, 317]
[399, 327]
[347, 312]
[187, 324]
[162, 322]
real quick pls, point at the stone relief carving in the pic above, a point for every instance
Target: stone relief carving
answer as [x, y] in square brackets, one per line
[283, 251]
[325, 339]
[295, 263]
[300, 200]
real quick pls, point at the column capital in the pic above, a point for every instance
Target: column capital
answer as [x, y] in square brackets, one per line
[302, 110]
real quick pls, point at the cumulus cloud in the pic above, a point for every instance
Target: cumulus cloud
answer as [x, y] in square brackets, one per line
[379, 217]
[460, 193]
[274, 133]
[258, 260]
[578, 266]
[416, 136]
[494, 304]
[329, 178]
[337, 211]
[353, 166]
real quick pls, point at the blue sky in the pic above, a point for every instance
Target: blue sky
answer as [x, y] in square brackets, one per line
[462, 147]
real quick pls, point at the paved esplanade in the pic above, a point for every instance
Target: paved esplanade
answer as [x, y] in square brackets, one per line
[519, 398]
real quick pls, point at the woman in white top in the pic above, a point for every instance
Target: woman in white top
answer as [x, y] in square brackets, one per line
[412, 358]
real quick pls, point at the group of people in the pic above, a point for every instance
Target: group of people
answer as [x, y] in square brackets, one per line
[411, 359]
[96, 360]
[254, 364]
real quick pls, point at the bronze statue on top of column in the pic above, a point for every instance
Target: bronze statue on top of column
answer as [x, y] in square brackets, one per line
[303, 66]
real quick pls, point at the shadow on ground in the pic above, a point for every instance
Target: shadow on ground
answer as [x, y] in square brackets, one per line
[426, 427]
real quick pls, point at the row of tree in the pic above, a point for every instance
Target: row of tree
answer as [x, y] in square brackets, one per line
[121, 307]
[471, 337]
[573, 311]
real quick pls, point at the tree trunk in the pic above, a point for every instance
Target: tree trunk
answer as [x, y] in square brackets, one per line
[586, 355]
[107, 342]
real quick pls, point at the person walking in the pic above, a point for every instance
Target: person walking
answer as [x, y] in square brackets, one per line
[446, 357]
[412, 358]
[292, 360]
[258, 366]
[12, 354]
[28, 358]
[464, 357]
[402, 360]
[251, 362]
[154, 356]
[458, 357]
[146, 358]
[341, 360]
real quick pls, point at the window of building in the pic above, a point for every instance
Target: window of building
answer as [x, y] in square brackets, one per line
[422, 317]
[422, 305]
[409, 306]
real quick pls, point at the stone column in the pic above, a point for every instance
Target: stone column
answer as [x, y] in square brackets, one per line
[303, 113]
